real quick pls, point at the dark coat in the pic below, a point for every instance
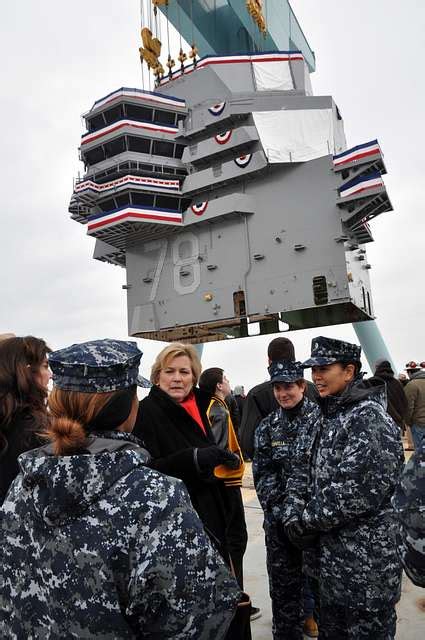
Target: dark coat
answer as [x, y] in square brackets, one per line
[396, 397]
[170, 435]
[259, 403]
[19, 436]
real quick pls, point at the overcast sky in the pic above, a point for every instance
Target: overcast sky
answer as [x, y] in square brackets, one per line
[60, 56]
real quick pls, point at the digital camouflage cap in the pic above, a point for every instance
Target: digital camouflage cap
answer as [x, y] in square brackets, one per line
[286, 371]
[328, 351]
[98, 366]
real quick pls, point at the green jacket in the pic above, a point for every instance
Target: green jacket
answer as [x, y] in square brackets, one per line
[415, 394]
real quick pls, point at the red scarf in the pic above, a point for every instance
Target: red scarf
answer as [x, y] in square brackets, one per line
[189, 404]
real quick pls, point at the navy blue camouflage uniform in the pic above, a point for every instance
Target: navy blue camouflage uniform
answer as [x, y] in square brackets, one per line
[97, 545]
[273, 466]
[356, 463]
[409, 503]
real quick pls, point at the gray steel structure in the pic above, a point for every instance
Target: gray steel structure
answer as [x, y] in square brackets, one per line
[219, 239]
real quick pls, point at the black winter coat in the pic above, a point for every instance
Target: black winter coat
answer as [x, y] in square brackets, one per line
[170, 435]
[19, 436]
[396, 398]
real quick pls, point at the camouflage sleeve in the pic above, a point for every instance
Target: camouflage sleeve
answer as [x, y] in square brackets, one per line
[179, 586]
[266, 476]
[409, 504]
[367, 472]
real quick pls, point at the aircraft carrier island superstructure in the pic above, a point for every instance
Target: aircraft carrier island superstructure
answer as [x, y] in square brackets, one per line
[229, 196]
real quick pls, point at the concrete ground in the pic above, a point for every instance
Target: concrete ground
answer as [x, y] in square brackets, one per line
[410, 610]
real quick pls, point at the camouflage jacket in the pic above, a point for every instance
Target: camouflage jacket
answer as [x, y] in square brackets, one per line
[409, 503]
[356, 463]
[100, 546]
[276, 439]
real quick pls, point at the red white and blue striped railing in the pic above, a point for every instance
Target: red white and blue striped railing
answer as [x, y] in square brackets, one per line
[99, 221]
[357, 154]
[129, 180]
[157, 99]
[361, 185]
[120, 124]
[268, 56]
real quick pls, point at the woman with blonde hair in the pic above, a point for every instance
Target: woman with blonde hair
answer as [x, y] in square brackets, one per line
[173, 426]
[94, 543]
[24, 377]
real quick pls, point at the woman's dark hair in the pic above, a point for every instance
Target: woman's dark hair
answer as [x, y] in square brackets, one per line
[20, 362]
[357, 366]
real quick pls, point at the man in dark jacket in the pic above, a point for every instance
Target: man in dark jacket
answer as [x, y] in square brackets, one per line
[260, 401]
[357, 459]
[396, 398]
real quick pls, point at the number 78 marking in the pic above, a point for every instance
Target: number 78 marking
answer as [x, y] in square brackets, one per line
[191, 261]
[162, 246]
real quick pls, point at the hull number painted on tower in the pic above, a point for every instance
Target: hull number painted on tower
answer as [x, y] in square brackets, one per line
[185, 263]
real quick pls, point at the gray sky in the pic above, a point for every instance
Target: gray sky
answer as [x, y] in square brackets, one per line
[59, 57]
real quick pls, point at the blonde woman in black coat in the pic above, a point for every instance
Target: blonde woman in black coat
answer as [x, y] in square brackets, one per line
[174, 428]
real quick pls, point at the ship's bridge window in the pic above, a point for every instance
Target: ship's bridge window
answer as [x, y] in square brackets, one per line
[112, 115]
[178, 151]
[165, 117]
[114, 147]
[180, 116]
[94, 155]
[142, 114]
[141, 145]
[95, 123]
[142, 199]
[122, 200]
[163, 148]
[166, 202]
[184, 204]
[107, 205]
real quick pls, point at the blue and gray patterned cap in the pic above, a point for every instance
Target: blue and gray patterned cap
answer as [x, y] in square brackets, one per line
[286, 371]
[328, 351]
[98, 366]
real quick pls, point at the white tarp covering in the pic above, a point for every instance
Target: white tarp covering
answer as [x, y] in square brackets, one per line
[273, 76]
[297, 135]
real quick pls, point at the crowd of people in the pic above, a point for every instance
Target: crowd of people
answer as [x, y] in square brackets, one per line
[125, 519]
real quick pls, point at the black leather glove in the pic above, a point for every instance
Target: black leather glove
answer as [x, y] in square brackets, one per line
[300, 538]
[209, 457]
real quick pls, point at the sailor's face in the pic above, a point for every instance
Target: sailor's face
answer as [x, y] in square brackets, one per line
[288, 394]
[176, 378]
[331, 379]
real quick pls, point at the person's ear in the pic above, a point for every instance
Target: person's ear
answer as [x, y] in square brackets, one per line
[350, 371]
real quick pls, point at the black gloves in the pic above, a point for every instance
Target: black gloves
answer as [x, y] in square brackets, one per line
[209, 457]
[297, 534]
